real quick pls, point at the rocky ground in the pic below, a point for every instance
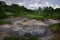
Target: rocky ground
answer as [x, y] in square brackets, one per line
[25, 26]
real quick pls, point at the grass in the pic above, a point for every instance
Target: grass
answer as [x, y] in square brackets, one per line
[55, 27]
[4, 22]
[20, 38]
[34, 16]
[55, 39]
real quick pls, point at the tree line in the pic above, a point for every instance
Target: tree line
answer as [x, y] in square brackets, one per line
[15, 10]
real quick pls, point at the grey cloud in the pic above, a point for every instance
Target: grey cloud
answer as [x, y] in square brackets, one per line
[54, 2]
[26, 3]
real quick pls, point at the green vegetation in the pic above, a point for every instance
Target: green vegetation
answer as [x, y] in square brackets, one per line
[4, 22]
[21, 38]
[55, 39]
[55, 27]
[15, 10]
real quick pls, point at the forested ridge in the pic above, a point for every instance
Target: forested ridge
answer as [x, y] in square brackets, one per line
[15, 10]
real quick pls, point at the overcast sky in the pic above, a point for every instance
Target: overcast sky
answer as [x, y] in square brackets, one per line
[35, 4]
